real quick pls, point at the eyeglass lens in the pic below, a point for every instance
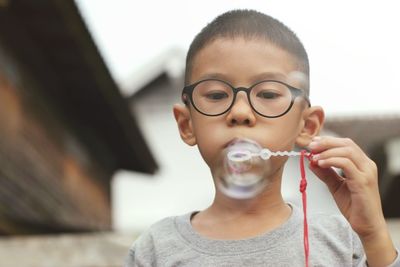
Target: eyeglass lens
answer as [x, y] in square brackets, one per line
[268, 98]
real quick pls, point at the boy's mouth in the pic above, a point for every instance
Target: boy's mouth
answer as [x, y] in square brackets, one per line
[245, 142]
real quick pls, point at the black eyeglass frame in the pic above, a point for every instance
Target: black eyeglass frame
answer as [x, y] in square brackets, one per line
[295, 92]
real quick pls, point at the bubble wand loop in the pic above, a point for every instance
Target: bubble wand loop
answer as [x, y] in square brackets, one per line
[265, 154]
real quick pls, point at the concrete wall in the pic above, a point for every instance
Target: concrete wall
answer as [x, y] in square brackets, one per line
[87, 250]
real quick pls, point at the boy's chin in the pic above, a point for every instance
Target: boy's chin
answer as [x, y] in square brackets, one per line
[243, 186]
[241, 191]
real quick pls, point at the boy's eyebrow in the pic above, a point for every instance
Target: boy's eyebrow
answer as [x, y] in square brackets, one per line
[269, 76]
[255, 78]
[215, 75]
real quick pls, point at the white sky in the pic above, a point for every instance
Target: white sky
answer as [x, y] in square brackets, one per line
[354, 46]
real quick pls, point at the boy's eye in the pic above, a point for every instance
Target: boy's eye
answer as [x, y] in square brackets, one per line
[268, 94]
[217, 95]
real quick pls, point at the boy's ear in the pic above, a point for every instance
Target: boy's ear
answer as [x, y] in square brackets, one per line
[184, 121]
[313, 120]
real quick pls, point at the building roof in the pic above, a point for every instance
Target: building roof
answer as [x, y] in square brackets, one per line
[368, 131]
[50, 39]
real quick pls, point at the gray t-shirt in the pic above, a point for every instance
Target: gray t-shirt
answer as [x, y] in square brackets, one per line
[173, 242]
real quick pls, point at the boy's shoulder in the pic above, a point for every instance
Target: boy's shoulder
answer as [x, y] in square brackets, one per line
[329, 221]
[160, 231]
[325, 218]
[160, 241]
[333, 228]
[159, 227]
[162, 225]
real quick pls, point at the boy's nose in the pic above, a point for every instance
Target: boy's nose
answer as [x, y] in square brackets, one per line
[241, 112]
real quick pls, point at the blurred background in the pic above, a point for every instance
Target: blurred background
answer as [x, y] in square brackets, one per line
[90, 155]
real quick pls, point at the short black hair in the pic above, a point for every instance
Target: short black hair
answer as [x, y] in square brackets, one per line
[249, 24]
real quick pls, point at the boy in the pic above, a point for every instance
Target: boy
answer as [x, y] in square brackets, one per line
[242, 49]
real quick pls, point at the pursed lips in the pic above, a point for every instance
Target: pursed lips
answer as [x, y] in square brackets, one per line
[245, 141]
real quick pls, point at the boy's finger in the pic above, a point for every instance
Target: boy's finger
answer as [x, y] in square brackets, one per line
[350, 170]
[320, 144]
[344, 152]
[329, 176]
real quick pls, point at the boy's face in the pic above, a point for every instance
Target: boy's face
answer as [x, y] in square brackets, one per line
[242, 63]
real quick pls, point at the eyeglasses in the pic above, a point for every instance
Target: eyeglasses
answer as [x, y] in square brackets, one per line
[268, 98]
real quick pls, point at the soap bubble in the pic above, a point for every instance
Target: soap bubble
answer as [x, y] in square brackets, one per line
[242, 171]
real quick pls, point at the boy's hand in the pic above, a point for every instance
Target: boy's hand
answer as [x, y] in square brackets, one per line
[356, 193]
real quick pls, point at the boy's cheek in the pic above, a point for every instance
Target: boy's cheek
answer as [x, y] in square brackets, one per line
[209, 152]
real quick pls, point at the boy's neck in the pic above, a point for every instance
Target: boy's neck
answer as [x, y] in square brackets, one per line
[229, 218]
[261, 206]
